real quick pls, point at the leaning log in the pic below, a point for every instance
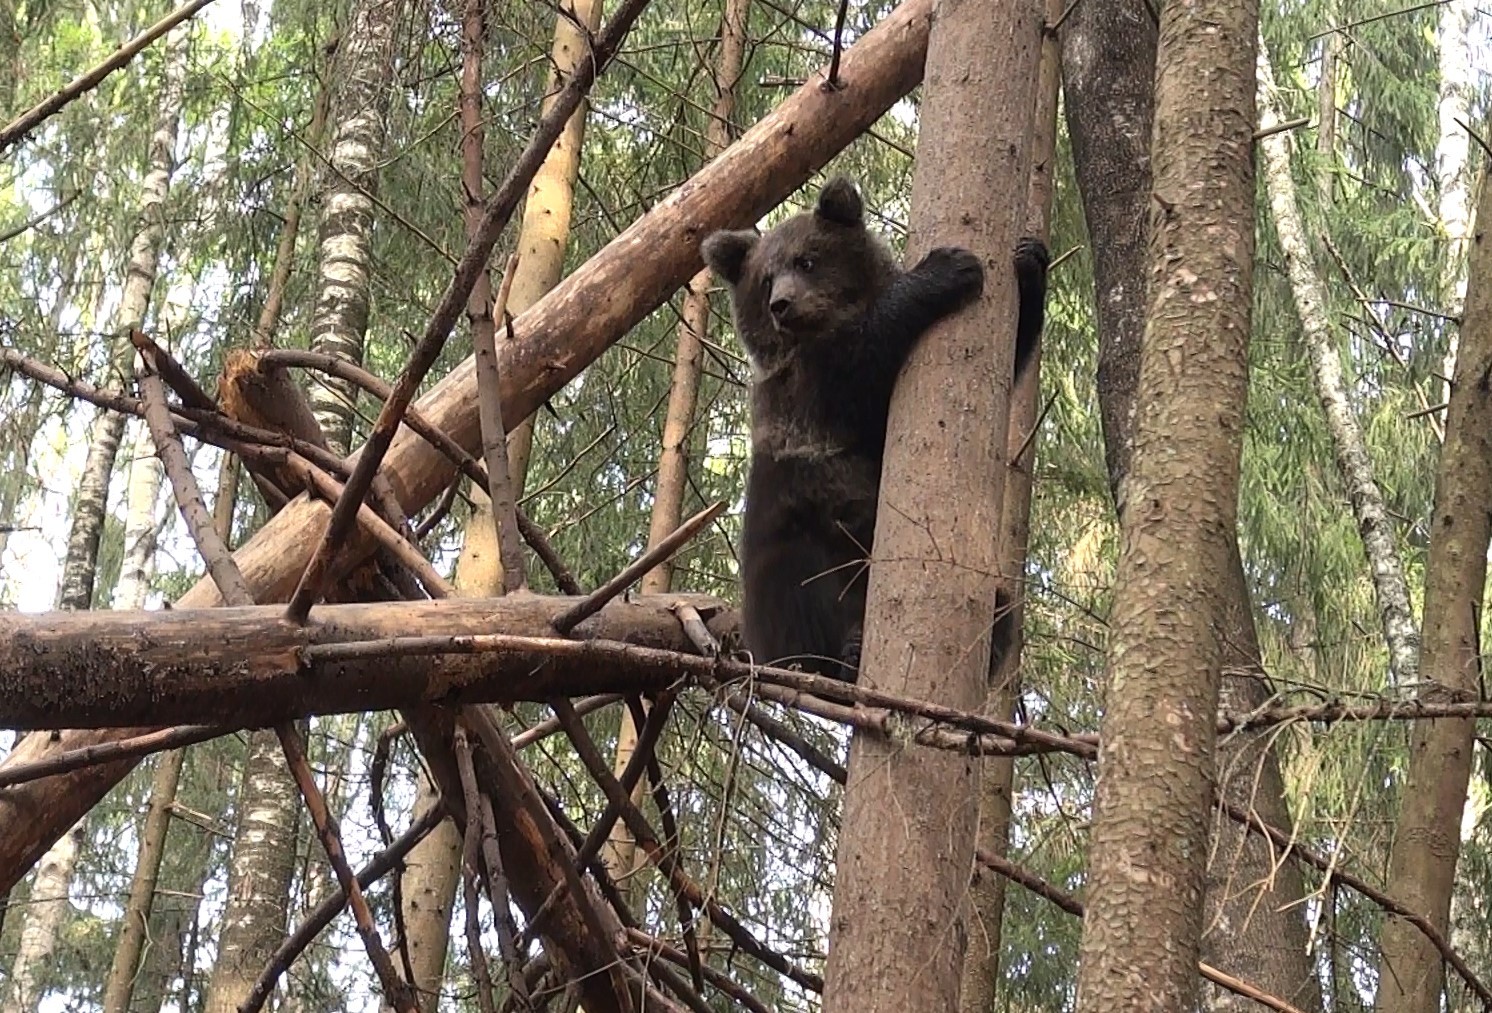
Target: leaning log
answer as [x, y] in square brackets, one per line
[247, 667]
[553, 340]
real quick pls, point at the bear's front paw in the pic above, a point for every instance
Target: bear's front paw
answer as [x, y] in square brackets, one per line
[956, 267]
[1031, 255]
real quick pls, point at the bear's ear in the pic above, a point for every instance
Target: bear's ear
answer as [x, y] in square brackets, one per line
[840, 202]
[725, 253]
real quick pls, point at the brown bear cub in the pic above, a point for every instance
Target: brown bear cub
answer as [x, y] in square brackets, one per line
[827, 318]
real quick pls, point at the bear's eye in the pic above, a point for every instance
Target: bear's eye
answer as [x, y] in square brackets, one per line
[804, 264]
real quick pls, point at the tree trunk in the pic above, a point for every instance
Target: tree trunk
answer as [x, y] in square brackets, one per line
[1356, 464]
[120, 984]
[981, 971]
[141, 527]
[1108, 88]
[1109, 74]
[553, 341]
[360, 109]
[1422, 865]
[500, 513]
[45, 915]
[284, 262]
[545, 229]
[899, 926]
[76, 590]
[1452, 155]
[247, 668]
[1326, 110]
[432, 872]
[620, 852]
[1177, 513]
[259, 872]
[338, 741]
[1255, 929]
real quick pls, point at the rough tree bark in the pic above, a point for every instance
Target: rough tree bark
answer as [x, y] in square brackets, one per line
[1427, 839]
[247, 668]
[899, 926]
[1253, 914]
[359, 111]
[553, 341]
[1453, 173]
[1177, 510]
[981, 971]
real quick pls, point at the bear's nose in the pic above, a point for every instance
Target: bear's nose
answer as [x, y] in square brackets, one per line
[780, 306]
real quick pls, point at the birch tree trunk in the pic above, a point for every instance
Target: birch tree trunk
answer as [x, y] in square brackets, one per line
[142, 526]
[76, 590]
[258, 874]
[1452, 155]
[343, 297]
[1353, 460]
[1177, 513]
[44, 918]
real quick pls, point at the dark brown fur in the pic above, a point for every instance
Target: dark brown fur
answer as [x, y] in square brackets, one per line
[828, 319]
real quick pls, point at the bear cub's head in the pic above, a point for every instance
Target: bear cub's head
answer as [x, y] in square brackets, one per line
[806, 279]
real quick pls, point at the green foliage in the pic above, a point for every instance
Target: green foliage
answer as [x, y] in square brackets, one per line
[756, 823]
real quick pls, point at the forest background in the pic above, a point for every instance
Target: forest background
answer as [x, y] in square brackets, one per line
[292, 174]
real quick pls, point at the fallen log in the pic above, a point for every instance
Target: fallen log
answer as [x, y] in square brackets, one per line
[246, 667]
[553, 340]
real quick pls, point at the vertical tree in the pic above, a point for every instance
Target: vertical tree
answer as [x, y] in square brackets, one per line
[76, 591]
[124, 968]
[359, 111]
[259, 873]
[981, 973]
[1452, 152]
[120, 984]
[45, 913]
[142, 527]
[1177, 509]
[1427, 840]
[545, 229]
[431, 875]
[1255, 929]
[898, 928]
[683, 397]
